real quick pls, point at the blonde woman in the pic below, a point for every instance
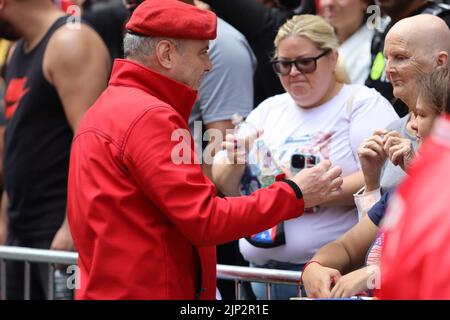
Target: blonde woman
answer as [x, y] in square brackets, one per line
[319, 117]
[348, 17]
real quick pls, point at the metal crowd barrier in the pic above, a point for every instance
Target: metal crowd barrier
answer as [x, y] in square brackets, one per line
[227, 272]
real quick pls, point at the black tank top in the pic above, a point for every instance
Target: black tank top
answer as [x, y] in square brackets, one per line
[37, 145]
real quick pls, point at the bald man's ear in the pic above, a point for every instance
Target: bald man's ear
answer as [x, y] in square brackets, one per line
[442, 59]
[164, 52]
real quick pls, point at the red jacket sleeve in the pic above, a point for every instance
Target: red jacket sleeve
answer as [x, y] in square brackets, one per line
[186, 196]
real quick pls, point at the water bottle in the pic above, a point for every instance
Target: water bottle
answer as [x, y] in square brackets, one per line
[259, 157]
[267, 171]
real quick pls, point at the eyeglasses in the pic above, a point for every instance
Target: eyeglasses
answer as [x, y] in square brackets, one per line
[303, 65]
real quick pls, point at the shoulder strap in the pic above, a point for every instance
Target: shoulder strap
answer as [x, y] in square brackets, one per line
[438, 9]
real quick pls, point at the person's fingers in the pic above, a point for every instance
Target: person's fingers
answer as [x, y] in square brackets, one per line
[324, 166]
[376, 139]
[390, 142]
[228, 145]
[334, 293]
[391, 134]
[396, 158]
[393, 150]
[336, 183]
[287, 172]
[402, 154]
[229, 148]
[340, 293]
[336, 193]
[367, 153]
[313, 294]
[335, 275]
[380, 132]
[375, 146]
[334, 172]
[230, 137]
[324, 290]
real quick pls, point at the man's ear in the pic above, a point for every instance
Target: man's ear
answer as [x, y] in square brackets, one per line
[2, 4]
[442, 59]
[165, 53]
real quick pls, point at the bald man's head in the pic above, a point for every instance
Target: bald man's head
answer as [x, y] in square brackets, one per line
[424, 32]
[415, 46]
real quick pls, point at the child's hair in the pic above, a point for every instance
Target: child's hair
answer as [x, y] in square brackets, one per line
[434, 89]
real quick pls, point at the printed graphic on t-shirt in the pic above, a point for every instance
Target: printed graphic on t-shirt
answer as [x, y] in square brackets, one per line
[374, 255]
[14, 93]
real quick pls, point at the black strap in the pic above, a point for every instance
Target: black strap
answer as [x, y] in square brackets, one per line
[296, 188]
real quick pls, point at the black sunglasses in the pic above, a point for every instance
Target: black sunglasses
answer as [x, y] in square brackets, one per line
[303, 65]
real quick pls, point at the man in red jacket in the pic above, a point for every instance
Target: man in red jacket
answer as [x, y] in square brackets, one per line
[146, 224]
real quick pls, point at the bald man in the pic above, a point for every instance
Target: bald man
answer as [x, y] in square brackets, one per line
[56, 72]
[415, 46]
[397, 10]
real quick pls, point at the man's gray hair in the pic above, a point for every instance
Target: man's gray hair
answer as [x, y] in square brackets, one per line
[139, 48]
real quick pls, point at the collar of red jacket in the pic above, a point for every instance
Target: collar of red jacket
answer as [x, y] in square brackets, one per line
[132, 74]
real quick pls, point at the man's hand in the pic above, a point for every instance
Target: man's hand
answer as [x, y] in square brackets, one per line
[319, 183]
[351, 284]
[63, 239]
[372, 157]
[318, 280]
[238, 148]
[399, 150]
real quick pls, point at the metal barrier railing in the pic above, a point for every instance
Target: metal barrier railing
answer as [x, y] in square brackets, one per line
[227, 272]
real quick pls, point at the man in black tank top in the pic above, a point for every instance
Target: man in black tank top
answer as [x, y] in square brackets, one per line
[397, 10]
[56, 72]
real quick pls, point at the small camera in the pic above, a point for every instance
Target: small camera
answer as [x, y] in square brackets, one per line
[301, 161]
[298, 161]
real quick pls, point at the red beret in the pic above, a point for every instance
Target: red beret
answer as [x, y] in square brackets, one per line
[172, 19]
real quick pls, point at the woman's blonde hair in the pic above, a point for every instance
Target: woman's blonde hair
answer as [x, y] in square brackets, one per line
[316, 29]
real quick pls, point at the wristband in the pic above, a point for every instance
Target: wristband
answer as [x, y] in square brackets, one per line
[306, 265]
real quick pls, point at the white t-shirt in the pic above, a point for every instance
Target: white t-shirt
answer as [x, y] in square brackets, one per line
[338, 126]
[355, 54]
